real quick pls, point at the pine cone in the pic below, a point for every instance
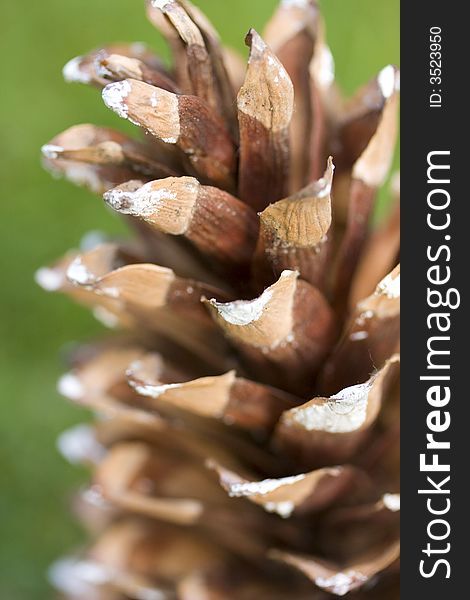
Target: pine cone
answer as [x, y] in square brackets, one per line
[246, 439]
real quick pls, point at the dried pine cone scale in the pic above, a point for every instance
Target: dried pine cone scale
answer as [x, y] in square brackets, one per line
[246, 439]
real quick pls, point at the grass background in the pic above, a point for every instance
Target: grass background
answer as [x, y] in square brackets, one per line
[41, 218]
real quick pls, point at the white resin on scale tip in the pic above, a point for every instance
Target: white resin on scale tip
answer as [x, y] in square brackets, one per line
[326, 73]
[363, 317]
[70, 386]
[142, 202]
[154, 391]
[342, 413]
[392, 502]
[51, 151]
[78, 577]
[357, 336]
[49, 279]
[390, 286]
[168, 130]
[78, 273]
[387, 81]
[114, 95]
[94, 496]
[72, 72]
[325, 183]
[161, 3]
[295, 3]
[79, 445]
[243, 312]
[169, 140]
[82, 579]
[340, 583]
[325, 191]
[250, 488]
[283, 509]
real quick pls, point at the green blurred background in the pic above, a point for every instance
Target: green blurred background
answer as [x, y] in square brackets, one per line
[41, 218]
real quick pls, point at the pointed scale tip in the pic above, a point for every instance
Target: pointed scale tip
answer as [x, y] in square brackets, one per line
[264, 322]
[247, 312]
[242, 312]
[166, 204]
[137, 102]
[256, 44]
[342, 413]
[326, 181]
[51, 151]
[206, 396]
[72, 72]
[133, 198]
